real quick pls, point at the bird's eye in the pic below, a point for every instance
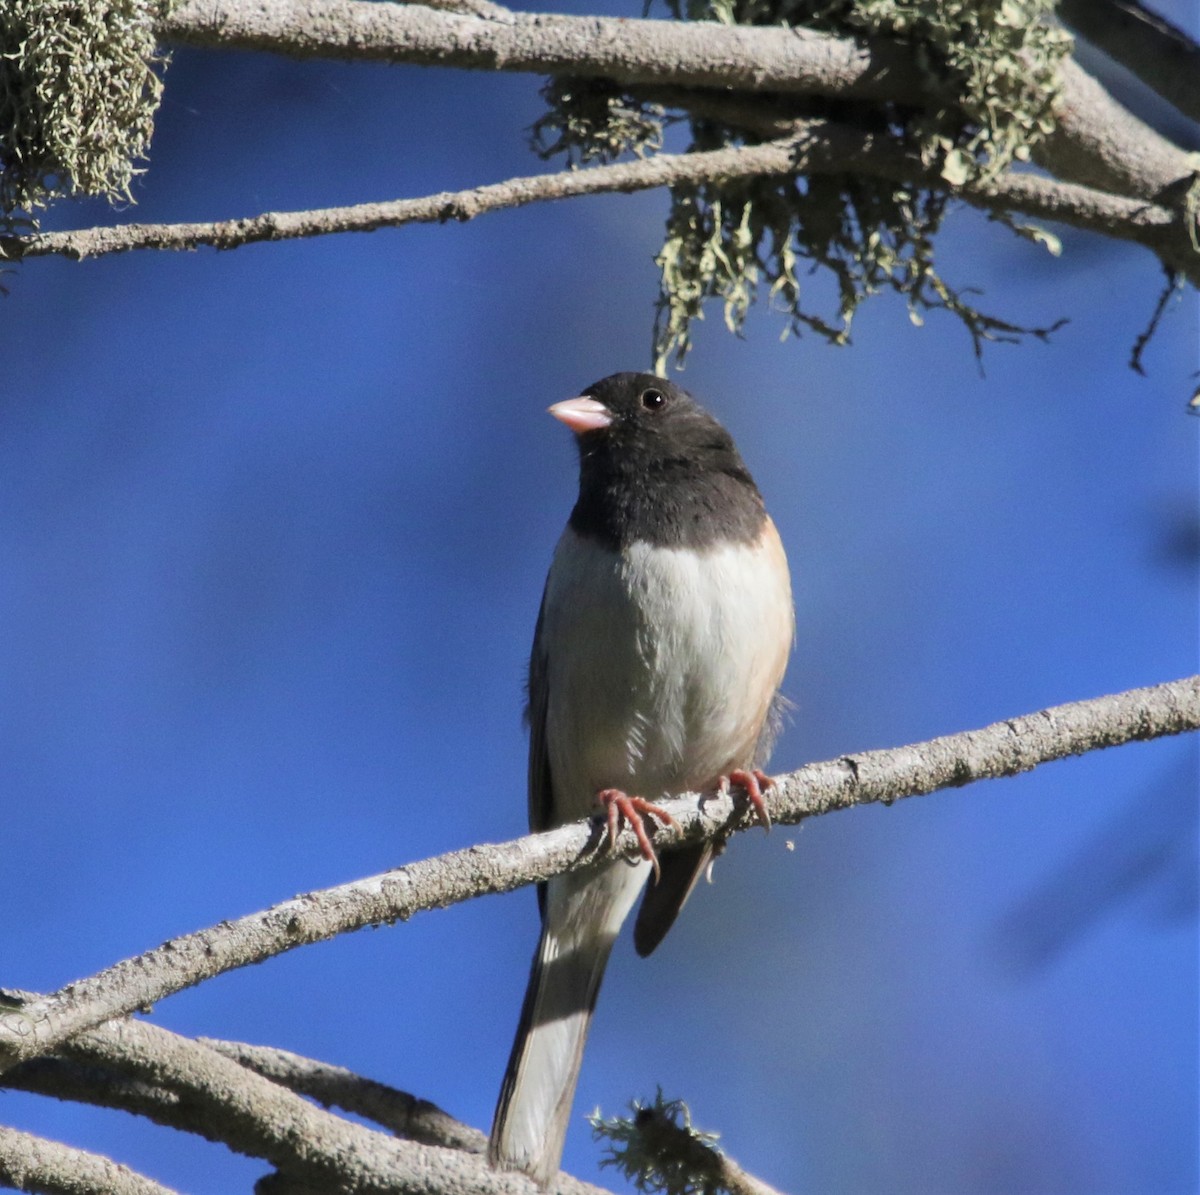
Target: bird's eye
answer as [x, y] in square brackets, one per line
[653, 400]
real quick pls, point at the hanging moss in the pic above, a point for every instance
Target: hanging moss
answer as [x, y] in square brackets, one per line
[79, 86]
[993, 63]
[592, 120]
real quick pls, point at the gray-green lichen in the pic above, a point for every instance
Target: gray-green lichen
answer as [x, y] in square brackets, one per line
[79, 86]
[995, 64]
[659, 1150]
[993, 72]
[593, 120]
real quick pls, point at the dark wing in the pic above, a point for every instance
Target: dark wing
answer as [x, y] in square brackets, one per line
[537, 698]
[665, 897]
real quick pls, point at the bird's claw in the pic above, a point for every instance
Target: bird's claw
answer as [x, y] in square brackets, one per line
[752, 783]
[620, 806]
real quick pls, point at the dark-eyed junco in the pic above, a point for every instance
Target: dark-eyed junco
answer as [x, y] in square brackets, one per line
[665, 628]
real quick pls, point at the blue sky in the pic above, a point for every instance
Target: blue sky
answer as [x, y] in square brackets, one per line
[274, 526]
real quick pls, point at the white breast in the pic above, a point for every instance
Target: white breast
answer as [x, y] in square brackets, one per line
[664, 664]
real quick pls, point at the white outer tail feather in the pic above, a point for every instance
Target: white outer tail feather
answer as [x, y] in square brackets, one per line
[582, 919]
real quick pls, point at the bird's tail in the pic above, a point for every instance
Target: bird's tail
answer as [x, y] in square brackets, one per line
[580, 925]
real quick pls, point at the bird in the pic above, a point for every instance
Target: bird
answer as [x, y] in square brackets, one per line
[665, 628]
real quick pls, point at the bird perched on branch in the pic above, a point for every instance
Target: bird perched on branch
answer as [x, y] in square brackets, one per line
[664, 632]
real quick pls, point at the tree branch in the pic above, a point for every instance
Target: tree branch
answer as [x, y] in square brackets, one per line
[63, 1078]
[187, 1085]
[1087, 149]
[1098, 147]
[1162, 56]
[697, 54]
[101, 1082]
[176, 1103]
[1003, 749]
[29, 1163]
[818, 146]
[333, 1086]
[1099, 143]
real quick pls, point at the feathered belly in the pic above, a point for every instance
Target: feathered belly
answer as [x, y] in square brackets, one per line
[664, 666]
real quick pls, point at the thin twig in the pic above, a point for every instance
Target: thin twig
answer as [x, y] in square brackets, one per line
[816, 146]
[1003, 749]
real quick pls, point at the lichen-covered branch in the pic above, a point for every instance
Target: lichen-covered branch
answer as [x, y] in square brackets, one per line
[447, 206]
[1004, 749]
[923, 116]
[188, 1085]
[698, 54]
[741, 58]
[1099, 143]
[95, 1069]
[821, 147]
[659, 1149]
[335, 1087]
[30, 1163]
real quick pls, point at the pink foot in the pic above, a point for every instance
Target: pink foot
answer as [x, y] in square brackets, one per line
[753, 784]
[622, 807]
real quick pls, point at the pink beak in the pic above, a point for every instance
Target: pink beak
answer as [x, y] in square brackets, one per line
[582, 414]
